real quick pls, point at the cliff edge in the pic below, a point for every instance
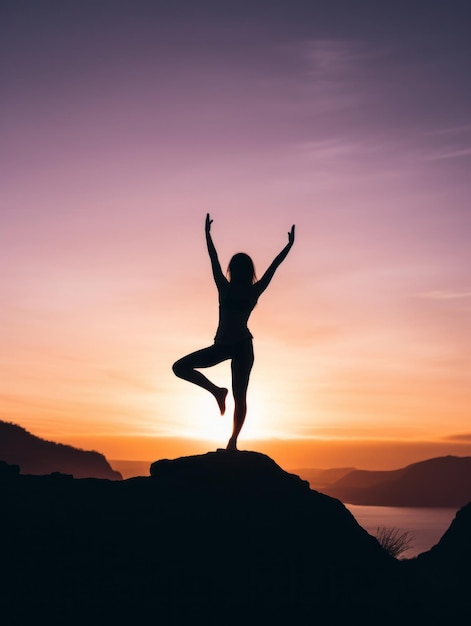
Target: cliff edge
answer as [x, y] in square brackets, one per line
[220, 538]
[39, 456]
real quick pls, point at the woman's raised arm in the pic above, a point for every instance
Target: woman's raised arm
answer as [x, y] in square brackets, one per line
[219, 277]
[263, 283]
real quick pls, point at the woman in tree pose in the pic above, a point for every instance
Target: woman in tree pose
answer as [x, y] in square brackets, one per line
[237, 299]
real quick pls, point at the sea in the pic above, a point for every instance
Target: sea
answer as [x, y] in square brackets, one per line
[425, 525]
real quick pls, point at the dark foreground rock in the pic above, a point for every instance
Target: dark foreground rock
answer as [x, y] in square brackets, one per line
[447, 566]
[213, 539]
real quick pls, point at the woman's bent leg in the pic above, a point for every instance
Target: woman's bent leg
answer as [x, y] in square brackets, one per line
[185, 368]
[241, 367]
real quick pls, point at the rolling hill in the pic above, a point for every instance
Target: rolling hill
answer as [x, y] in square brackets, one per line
[439, 482]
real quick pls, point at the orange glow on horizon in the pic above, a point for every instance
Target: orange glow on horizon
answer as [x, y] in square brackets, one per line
[288, 453]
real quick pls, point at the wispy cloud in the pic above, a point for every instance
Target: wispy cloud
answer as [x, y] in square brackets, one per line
[444, 294]
[460, 437]
[330, 57]
[333, 73]
[331, 149]
[451, 130]
[448, 154]
[132, 382]
[454, 143]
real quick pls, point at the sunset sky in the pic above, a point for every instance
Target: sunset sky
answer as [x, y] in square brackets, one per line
[124, 122]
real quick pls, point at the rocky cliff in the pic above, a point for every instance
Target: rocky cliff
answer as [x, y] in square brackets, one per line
[38, 456]
[222, 538]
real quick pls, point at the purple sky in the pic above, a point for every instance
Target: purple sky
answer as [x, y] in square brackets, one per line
[123, 123]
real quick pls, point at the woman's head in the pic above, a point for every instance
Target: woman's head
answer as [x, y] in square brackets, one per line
[241, 269]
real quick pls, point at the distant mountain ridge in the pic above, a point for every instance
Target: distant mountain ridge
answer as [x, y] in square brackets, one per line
[39, 456]
[319, 478]
[439, 482]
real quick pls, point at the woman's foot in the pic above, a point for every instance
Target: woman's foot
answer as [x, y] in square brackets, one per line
[220, 396]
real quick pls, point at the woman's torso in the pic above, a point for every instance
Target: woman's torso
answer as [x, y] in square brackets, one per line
[236, 303]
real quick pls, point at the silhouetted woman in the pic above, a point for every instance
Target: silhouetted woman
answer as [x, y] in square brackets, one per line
[237, 298]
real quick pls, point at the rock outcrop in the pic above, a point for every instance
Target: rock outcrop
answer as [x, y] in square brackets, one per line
[38, 456]
[9, 471]
[455, 546]
[446, 568]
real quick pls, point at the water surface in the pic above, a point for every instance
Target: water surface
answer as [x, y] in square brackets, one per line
[426, 524]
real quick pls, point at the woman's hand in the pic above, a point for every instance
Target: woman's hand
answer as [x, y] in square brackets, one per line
[290, 235]
[207, 225]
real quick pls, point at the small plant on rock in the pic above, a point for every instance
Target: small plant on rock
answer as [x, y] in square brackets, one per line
[394, 541]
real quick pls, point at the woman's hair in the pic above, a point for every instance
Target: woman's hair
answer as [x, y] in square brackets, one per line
[241, 269]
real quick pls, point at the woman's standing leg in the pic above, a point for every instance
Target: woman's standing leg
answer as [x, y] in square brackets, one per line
[185, 368]
[241, 367]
